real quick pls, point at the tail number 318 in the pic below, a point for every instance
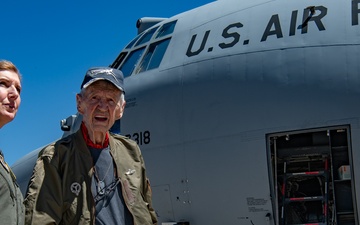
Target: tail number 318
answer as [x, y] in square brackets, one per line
[141, 138]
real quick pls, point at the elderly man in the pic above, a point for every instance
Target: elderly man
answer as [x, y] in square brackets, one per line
[92, 176]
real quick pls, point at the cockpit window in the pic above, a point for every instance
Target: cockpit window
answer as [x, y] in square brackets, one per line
[133, 41]
[131, 61]
[166, 29]
[146, 37]
[145, 51]
[153, 56]
[119, 60]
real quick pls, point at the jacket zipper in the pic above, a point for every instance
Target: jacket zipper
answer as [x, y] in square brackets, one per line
[92, 198]
[17, 205]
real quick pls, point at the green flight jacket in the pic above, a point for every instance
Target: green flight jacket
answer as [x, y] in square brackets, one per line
[59, 190]
[11, 200]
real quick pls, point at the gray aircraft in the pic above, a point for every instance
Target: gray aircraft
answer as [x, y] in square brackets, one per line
[247, 112]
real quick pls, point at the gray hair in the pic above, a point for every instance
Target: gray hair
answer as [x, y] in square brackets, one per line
[122, 95]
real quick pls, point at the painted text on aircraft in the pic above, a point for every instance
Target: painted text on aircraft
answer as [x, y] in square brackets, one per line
[311, 16]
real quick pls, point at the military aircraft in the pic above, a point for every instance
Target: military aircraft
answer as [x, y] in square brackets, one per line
[247, 112]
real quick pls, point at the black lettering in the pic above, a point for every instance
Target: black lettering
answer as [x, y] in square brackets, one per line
[189, 52]
[234, 35]
[136, 138]
[141, 137]
[146, 137]
[274, 21]
[307, 17]
[355, 12]
[293, 23]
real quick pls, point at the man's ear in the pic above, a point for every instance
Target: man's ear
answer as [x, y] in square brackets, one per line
[120, 111]
[78, 104]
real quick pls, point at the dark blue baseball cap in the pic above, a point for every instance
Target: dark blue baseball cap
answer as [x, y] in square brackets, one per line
[112, 75]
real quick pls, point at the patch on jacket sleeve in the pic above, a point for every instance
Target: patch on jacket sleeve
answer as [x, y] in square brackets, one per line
[75, 188]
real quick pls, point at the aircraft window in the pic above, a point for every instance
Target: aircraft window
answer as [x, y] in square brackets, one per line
[118, 60]
[131, 61]
[133, 41]
[154, 55]
[146, 37]
[166, 29]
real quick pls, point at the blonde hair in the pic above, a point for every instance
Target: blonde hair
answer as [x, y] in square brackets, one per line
[9, 66]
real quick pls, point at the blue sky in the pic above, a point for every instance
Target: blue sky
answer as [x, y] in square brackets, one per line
[53, 43]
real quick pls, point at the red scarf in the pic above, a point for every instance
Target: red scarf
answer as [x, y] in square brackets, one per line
[89, 141]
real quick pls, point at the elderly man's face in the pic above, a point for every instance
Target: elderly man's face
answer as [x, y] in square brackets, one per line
[100, 105]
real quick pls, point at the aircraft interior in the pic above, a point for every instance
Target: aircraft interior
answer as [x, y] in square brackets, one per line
[311, 176]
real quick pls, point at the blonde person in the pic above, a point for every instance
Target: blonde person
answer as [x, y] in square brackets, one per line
[11, 200]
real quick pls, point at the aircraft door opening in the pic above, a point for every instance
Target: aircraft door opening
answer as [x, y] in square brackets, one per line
[311, 176]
